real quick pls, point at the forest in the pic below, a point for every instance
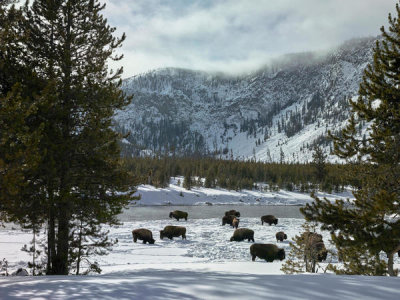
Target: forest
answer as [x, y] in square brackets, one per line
[237, 175]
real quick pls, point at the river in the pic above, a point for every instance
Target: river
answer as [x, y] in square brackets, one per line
[136, 213]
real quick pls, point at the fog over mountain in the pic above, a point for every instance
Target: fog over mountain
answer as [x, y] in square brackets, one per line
[277, 113]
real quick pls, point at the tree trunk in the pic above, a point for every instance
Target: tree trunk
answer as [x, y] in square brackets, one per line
[34, 251]
[61, 259]
[390, 264]
[51, 238]
[390, 257]
[78, 262]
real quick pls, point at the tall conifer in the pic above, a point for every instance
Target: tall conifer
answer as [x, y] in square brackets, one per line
[58, 117]
[369, 225]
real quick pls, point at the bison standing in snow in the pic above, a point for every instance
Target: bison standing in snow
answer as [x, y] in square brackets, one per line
[269, 252]
[144, 235]
[280, 236]
[228, 220]
[173, 231]
[178, 214]
[270, 219]
[242, 234]
[235, 223]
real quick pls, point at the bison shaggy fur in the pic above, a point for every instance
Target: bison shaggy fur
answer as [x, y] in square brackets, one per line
[270, 219]
[269, 252]
[242, 234]
[178, 214]
[232, 212]
[144, 235]
[228, 220]
[314, 245]
[173, 231]
[235, 223]
[280, 236]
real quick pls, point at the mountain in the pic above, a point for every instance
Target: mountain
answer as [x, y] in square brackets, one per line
[277, 113]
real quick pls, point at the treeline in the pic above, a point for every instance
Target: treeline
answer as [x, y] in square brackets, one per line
[237, 175]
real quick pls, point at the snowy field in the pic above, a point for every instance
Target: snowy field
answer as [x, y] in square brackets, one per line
[175, 194]
[205, 266]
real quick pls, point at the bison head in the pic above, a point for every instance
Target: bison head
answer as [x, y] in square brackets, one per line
[170, 214]
[152, 241]
[281, 254]
[161, 234]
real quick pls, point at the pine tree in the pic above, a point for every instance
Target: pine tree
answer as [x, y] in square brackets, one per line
[319, 161]
[187, 180]
[368, 227]
[62, 137]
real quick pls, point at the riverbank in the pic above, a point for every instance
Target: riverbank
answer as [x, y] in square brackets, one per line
[176, 194]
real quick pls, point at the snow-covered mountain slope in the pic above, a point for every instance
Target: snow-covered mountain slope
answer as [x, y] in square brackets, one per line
[277, 113]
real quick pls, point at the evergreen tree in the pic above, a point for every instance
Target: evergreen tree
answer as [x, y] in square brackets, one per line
[63, 129]
[319, 161]
[187, 180]
[368, 226]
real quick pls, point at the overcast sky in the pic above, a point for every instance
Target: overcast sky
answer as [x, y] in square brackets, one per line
[236, 35]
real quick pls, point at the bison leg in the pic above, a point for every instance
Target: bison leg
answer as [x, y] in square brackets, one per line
[185, 218]
[262, 222]
[252, 239]
[183, 236]
[135, 238]
[253, 257]
[144, 241]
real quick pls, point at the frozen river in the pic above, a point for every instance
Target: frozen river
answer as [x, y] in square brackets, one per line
[137, 213]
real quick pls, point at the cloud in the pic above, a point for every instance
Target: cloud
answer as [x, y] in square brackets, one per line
[236, 36]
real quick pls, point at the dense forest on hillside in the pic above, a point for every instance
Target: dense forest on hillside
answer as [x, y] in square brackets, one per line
[236, 175]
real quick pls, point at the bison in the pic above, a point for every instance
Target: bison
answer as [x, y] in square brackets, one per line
[242, 234]
[228, 220]
[235, 223]
[232, 212]
[269, 252]
[270, 219]
[177, 214]
[314, 246]
[280, 236]
[144, 235]
[173, 231]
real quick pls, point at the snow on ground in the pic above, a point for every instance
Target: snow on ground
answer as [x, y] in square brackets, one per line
[175, 194]
[205, 266]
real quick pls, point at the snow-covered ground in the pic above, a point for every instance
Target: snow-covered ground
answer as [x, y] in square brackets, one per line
[176, 194]
[205, 266]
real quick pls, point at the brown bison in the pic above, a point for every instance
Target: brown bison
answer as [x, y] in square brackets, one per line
[173, 231]
[232, 212]
[235, 223]
[228, 220]
[318, 251]
[177, 214]
[242, 234]
[144, 235]
[270, 219]
[269, 252]
[314, 246]
[280, 236]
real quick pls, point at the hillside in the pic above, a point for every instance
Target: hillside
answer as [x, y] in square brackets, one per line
[277, 113]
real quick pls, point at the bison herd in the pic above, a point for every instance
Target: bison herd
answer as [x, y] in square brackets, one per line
[315, 247]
